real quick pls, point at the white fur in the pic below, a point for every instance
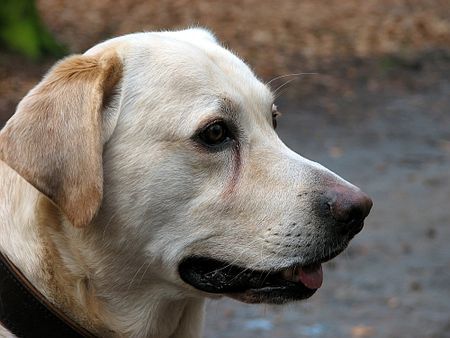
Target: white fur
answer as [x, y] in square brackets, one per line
[164, 199]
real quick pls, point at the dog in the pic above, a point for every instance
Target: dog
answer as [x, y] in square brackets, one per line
[146, 175]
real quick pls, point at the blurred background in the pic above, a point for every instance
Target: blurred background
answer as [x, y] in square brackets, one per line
[376, 111]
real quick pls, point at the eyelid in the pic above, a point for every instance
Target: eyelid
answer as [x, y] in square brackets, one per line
[228, 123]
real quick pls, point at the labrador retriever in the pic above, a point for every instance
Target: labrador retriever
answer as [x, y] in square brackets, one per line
[145, 175]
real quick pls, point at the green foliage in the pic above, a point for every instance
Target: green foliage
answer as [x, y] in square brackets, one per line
[21, 30]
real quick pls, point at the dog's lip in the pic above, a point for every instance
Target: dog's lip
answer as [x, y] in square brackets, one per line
[295, 281]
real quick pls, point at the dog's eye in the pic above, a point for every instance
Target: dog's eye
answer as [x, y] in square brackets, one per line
[215, 134]
[274, 121]
[275, 115]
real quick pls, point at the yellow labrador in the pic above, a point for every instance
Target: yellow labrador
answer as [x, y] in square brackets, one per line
[145, 175]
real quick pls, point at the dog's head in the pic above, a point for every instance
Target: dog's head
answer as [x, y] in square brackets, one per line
[166, 142]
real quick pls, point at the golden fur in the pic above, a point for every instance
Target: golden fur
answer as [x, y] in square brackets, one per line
[64, 111]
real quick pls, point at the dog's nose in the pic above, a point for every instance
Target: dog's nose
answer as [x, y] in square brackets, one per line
[349, 207]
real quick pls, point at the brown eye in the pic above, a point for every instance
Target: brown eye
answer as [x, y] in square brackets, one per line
[215, 134]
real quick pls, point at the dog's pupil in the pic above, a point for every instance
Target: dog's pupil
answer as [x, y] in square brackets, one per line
[215, 132]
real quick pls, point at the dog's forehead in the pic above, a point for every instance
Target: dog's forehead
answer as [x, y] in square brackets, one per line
[189, 61]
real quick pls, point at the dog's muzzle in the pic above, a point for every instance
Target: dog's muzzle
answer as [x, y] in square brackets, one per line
[339, 212]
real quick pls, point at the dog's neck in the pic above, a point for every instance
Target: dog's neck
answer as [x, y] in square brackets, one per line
[77, 274]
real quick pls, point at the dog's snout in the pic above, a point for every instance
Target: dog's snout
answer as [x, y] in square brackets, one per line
[349, 207]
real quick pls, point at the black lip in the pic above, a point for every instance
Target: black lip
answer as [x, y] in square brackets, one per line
[274, 295]
[251, 286]
[214, 276]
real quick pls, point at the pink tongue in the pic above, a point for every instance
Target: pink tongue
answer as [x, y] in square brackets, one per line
[312, 276]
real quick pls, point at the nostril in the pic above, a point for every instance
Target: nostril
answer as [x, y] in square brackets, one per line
[348, 206]
[345, 212]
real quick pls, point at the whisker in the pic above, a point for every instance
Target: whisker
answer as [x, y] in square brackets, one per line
[239, 256]
[134, 276]
[105, 228]
[287, 75]
[276, 91]
[280, 93]
[145, 272]
[247, 268]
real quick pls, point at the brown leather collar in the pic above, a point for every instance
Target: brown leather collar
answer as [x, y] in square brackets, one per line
[26, 313]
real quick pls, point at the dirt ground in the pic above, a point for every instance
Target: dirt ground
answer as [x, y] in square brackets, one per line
[377, 112]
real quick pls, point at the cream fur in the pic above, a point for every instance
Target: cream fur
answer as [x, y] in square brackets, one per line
[141, 194]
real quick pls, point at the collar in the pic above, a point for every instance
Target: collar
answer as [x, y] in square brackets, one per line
[26, 313]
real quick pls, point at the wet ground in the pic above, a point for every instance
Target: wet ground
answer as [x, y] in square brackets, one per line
[393, 140]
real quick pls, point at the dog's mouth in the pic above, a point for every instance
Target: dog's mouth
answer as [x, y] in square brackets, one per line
[295, 282]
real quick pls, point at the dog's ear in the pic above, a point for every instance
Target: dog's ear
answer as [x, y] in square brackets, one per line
[55, 138]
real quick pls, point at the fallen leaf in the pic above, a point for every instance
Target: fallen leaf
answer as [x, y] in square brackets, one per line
[362, 331]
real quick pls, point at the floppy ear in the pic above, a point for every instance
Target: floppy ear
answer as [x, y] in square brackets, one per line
[54, 140]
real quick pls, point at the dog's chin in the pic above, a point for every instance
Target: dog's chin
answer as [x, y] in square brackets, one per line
[275, 286]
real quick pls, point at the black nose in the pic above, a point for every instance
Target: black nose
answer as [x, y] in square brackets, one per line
[349, 207]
